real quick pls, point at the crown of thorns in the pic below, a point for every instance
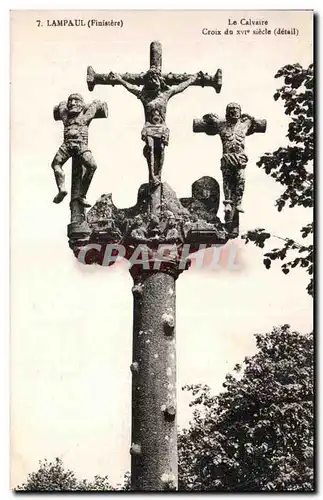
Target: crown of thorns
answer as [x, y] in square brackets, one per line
[153, 71]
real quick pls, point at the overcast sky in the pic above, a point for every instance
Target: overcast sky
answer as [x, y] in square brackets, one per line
[72, 324]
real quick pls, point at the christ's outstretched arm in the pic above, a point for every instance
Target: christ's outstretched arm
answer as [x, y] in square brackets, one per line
[177, 89]
[131, 88]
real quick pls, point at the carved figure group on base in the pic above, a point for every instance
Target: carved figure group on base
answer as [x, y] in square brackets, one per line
[154, 89]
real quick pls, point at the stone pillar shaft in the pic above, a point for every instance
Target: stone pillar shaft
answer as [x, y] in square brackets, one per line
[154, 429]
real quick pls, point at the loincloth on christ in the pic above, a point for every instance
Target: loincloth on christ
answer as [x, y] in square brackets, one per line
[156, 131]
[234, 161]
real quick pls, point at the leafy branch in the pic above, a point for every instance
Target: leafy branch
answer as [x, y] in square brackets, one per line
[292, 167]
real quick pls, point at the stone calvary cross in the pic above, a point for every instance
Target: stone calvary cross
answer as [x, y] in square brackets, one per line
[204, 80]
[157, 237]
[157, 89]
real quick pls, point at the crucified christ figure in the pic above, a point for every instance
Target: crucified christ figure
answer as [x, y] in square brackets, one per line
[154, 96]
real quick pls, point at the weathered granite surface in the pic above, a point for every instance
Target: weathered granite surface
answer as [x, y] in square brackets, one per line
[157, 89]
[178, 221]
[232, 131]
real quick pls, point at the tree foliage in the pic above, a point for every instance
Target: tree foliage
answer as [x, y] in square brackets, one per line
[257, 435]
[292, 167]
[52, 476]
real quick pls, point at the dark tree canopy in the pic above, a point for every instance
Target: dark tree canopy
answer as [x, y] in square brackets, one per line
[257, 435]
[292, 167]
[52, 476]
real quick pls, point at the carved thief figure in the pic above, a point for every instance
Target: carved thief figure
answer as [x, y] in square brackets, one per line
[233, 131]
[76, 117]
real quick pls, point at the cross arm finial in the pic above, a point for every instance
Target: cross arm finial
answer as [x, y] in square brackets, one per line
[209, 124]
[257, 126]
[96, 109]
[59, 110]
[100, 108]
[155, 62]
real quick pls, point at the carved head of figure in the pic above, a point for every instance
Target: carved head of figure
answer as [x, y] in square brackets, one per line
[171, 222]
[153, 81]
[154, 220]
[233, 112]
[75, 104]
[137, 221]
[170, 218]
